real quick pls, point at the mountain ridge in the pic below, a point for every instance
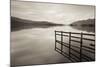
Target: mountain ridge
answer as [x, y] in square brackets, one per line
[87, 22]
[18, 24]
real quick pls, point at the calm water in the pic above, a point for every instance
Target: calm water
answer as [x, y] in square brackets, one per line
[36, 46]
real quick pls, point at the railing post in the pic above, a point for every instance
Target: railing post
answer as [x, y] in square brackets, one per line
[55, 40]
[61, 41]
[69, 43]
[81, 46]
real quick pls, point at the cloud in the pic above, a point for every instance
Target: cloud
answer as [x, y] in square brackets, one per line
[57, 13]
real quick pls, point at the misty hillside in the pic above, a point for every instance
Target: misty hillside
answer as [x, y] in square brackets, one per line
[88, 22]
[18, 24]
[85, 25]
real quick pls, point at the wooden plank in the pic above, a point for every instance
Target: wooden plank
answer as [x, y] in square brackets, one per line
[62, 35]
[75, 46]
[88, 39]
[58, 48]
[87, 57]
[62, 32]
[92, 45]
[55, 40]
[88, 47]
[75, 41]
[61, 41]
[88, 50]
[75, 37]
[64, 44]
[75, 33]
[88, 34]
[75, 50]
[75, 56]
[69, 43]
[81, 42]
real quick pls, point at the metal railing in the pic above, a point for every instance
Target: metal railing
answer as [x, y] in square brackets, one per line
[80, 50]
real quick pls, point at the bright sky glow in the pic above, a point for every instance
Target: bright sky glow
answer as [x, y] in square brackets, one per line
[57, 13]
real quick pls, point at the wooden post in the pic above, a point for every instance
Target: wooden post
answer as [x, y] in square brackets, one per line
[69, 42]
[81, 47]
[61, 41]
[55, 40]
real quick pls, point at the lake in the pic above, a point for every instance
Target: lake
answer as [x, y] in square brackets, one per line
[36, 46]
[32, 45]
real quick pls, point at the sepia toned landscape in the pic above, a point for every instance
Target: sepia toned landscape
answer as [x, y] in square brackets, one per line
[50, 33]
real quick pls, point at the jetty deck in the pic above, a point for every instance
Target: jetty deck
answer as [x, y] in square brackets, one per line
[77, 47]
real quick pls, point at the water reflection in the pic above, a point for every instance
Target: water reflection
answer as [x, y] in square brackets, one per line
[38, 44]
[85, 28]
[20, 24]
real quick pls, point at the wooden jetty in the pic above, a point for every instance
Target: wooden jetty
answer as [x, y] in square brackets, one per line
[79, 52]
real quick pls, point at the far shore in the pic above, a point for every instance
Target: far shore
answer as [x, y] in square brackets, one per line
[85, 25]
[19, 24]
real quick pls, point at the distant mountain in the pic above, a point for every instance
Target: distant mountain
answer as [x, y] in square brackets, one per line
[18, 24]
[84, 25]
[88, 22]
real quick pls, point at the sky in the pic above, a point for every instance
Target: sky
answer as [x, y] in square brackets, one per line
[57, 13]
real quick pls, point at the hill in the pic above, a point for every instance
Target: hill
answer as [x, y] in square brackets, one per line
[88, 22]
[18, 24]
[85, 25]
